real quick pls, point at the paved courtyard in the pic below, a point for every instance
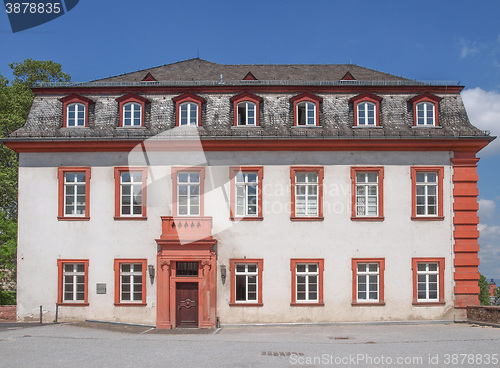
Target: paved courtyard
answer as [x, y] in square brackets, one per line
[397, 345]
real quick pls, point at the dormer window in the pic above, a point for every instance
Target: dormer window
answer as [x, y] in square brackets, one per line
[366, 110]
[132, 110]
[425, 110]
[305, 109]
[132, 114]
[189, 114]
[188, 109]
[246, 109]
[75, 111]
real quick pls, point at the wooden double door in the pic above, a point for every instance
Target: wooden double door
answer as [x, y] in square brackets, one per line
[186, 304]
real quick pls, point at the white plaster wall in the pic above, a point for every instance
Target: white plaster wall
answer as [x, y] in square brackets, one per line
[43, 239]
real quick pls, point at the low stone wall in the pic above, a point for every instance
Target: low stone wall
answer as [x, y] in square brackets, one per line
[7, 312]
[483, 313]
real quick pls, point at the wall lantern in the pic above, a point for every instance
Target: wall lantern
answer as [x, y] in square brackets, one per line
[151, 270]
[223, 273]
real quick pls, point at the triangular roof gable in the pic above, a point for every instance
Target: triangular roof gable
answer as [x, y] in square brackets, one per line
[306, 95]
[348, 76]
[131, 96]
[74, 96]
[244, 95]
[424, 96]
[249, 76]
[187, 96]
[149, 78]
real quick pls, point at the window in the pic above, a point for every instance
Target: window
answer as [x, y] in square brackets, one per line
[132, 114]
[76, 115]
[307, 282]
[428, 281]
[74, 191]
[425, 110]
[246, 109]
[367, 193]
[188, 191]
[246, 193]
[305, 109]
[307, 193]
[189, 114]
[366, 107]
[75, 111]
[368, 281]
[186, 269]
[427, 193]
[188, 107]
[130, 193]
[132, 110]
[73, 282]
[130, 282]
[246, 282]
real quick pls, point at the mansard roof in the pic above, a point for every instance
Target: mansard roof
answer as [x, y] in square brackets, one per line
[203, 70]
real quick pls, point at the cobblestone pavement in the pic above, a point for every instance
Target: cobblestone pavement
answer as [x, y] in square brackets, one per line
[396, 345]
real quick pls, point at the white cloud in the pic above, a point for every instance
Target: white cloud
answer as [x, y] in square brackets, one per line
[483, 108]
[468, 48]
[487, 208]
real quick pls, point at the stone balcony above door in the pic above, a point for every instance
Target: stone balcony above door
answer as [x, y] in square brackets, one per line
[186, 229]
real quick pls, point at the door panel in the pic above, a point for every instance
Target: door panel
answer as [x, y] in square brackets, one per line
[187, 304]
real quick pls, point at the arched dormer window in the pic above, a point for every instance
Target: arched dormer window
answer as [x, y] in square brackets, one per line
[306, 109]
[366, 110]
[188, 109]
[425, 110]
[75, 111]
[132, 110]
[246, 109]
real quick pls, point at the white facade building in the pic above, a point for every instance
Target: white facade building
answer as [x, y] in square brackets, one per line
[273, 194]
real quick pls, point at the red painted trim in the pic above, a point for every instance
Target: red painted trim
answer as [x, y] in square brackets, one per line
[465, 233]
[233, 170]
[305, 97]
[257, 89]
[440, 175]
[380, 171]
[366, 97]
[260, 268]
[321, 174]
[131, 98]
[60, 177]
[381, 270]
[441, 266]
[293, 268]
[116, 268]
[60, 286]
[71, 99]
[175, 171]
[425, 97]
[187, 97]
[244, 97]
[117, 175]
[224, 145]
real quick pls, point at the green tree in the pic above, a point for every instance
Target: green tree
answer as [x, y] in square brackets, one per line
[15, 102]
[497, 296]
[484, 291]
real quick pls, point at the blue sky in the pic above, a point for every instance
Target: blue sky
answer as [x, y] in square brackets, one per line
[425, 40]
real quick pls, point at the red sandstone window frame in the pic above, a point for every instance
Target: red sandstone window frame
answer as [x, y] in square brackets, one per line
[75, 99]
[366, 97]
[440, 176]
[381, 271]
[370, 169]
[293, 268]
[441, 265]
[118, 198]
[175, 172]
[131, 98]
[116, 268]
[60, 282]
[233, 171]
[188, 97]
[232, 269]
[246, 97]
[305, 97]
[430, 98]
[307, 169]
[61, 171]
